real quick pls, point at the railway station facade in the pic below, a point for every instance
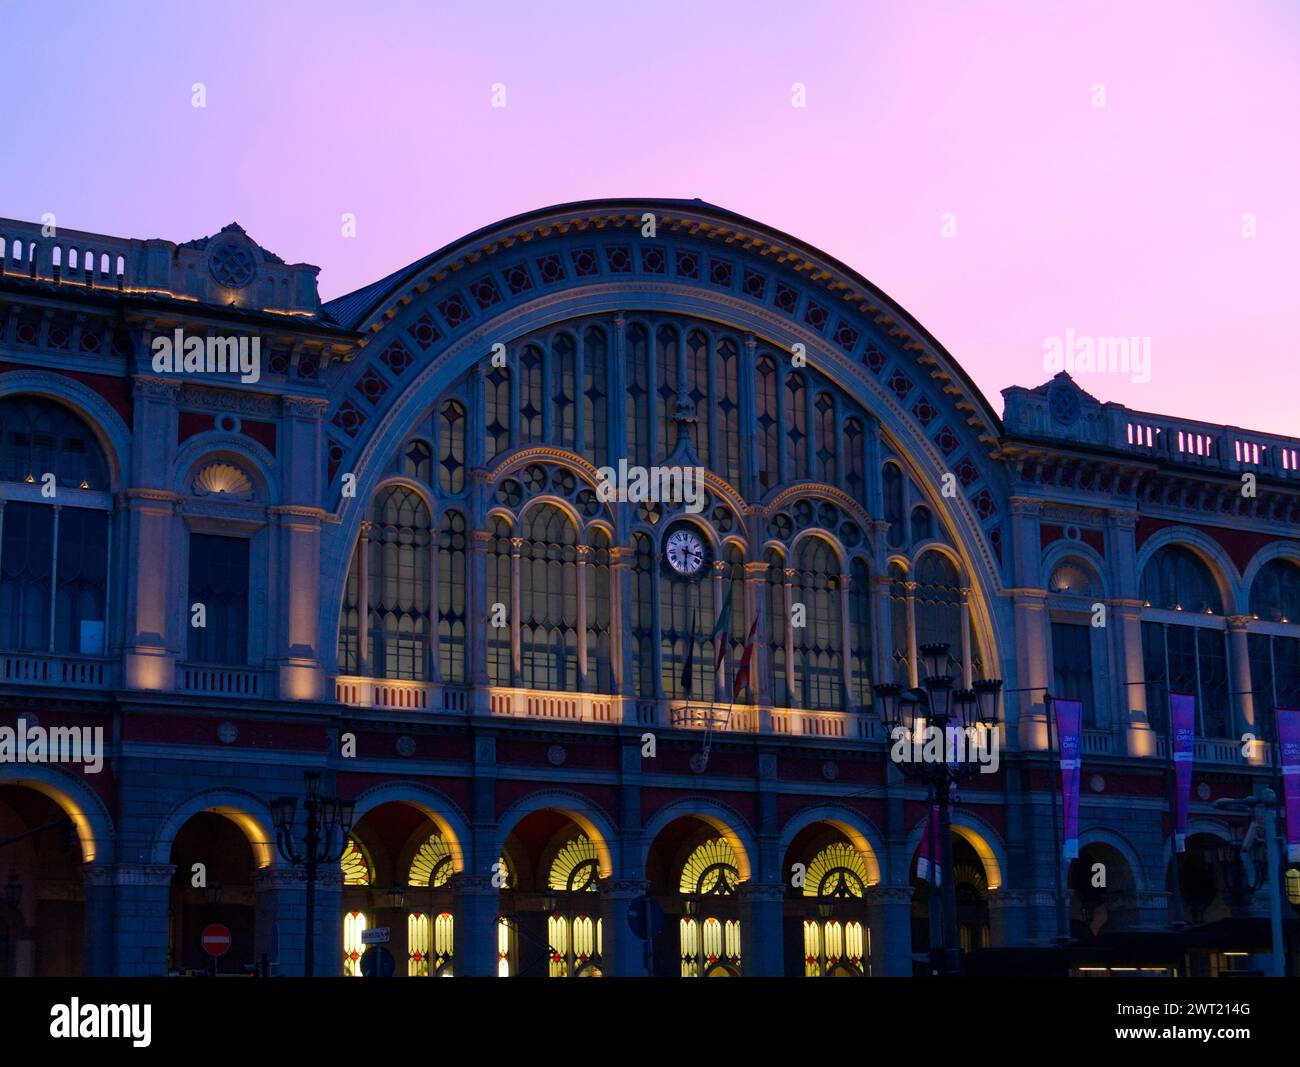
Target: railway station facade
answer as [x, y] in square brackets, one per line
[381, 552]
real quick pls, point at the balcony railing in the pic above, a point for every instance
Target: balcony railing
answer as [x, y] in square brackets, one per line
[53, 669]
[1223, 751]
[220, 681]
[1204, 444]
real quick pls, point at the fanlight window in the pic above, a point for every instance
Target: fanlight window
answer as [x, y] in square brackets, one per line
[836, 871]
[1070, 579]
[710, 870]
[1275, 592]
[225, 480]
[356, 871]
[576, 867]
[1177, 579]
[432, 864]
[41, 437]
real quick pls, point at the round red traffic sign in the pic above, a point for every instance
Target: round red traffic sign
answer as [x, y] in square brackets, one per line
[215, 939]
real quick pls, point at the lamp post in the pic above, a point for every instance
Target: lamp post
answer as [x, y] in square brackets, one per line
[937, 707]
[323, 816]
[1263, 806]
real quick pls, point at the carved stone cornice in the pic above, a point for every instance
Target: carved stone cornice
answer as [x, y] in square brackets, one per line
[150, 388]
[306, 407]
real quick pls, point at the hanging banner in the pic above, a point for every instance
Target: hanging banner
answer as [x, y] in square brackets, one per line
[1182, 731]
[1069, 742]
[927, 862]
[1288, 735]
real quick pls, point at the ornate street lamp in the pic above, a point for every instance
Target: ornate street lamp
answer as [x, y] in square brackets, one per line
[937, 706]
[324, 817]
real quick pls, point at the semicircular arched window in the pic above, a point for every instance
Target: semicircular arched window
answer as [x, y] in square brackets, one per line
[353, 863]
[1275, 592]
[815, 595]
[548, 602]
[53, 561]
[1177, 579]
[1274, 638]
[710, 928]
[432, 863]
[836, 871]
[576, 867]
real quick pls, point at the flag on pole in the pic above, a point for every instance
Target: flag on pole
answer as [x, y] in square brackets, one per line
[688, 664]
[927, 864]
[742, 672]
[722, 631]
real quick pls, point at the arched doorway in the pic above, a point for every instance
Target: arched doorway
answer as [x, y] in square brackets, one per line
[825, 924]
[42, 890]
[1102, 890]
[695, 869]
[551, 922]
[972, 890]
[213, 883]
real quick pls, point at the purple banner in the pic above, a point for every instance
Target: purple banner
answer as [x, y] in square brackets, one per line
[1069, 723]
[1182, 731]
[1288, 734]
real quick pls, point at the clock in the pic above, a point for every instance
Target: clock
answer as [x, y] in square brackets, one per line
[686, 551]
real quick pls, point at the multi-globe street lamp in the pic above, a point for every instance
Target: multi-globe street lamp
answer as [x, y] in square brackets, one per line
[324, 817]
[938, 706]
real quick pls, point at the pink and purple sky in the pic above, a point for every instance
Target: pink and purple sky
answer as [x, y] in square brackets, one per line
[1125, 219]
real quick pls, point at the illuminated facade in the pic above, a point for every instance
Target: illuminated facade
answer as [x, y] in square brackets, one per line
[389, 559]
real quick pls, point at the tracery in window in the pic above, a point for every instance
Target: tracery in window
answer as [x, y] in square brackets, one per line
[39, 436]
[399, 610]
[451, 597]
[500, 666]
[643, 614]
[498, 411]
[796, 428]
[768, 420]
[595, 394]
[600, 678]
[1275, 592]
[432, 863]
[637, 405]
[451, 447]
[564, 389]
[818, 670]
[1177, 579]
[548, 608]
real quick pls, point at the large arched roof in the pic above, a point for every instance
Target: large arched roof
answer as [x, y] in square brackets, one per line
[365, 309]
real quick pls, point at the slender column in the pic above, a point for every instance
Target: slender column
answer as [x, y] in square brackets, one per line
[363, 601]
[762, 943]
[623, 953]
[760, 662]
[516, 647]
[583, 551]
[967, 667]
[476, 902]
[477, 610]
[846, 644]
[1239, 646]
[620, 616]
[54, 571]
[913, 668]
[788, 587]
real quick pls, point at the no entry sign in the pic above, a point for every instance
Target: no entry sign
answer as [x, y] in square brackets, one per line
[215, 940]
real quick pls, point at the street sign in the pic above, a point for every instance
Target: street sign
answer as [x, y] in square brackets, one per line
[376, 935]
[215, 940]
[377, 962]
[646, 918]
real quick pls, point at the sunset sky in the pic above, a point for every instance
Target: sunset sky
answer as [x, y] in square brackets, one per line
[1132, 218]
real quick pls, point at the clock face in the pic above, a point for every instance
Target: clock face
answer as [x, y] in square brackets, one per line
[685, 552]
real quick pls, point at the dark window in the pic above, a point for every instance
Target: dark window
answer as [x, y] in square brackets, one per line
[638, 396]
[1072, 666]
[83, 581]
[768, 425]
[39, 437]
[498, 642]
[497, 403]
[595, 394]
[548, 603]
[1187, 659]
[400, 558]
[697, 391]
[893, 487]
[219, 581]
[824, 410]
[26, 559]
[1177, 579]
[728, 405]
[818, 670]
[777, 623]
[1275, 592]
[860, 651]
[666, 387]
[564, 390]
[1274, 674]
[531, 395]
[643, 608]
[451, 597]
[451, 447]
[600, 678]
[796, 428]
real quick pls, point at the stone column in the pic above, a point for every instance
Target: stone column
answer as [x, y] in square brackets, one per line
[97, 949]
[1006, 918]
[1239, 649]
[624, 954]
[761, 936]
[152, 646]
[889, 918]
[142, 909]
[476, 905]
[516, 646]
[300, 676]
[1126, 617]
[582, 552]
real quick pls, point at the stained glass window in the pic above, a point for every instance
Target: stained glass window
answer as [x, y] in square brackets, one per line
[777, 623]
[595, 393]
[498, 411]
[818, 671]
[356, 871]
[432, 864]
[768, 418]
[576, 867]
[638, 395]
[451, 597]
[563, 391]
[399, 545]
[796, 428]
[710, 870]
[835, 949]
[354, 924]
[548, 610]
[838, 871]
[500, 666]
[451, 447]
[532, 391]
[727, 450]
